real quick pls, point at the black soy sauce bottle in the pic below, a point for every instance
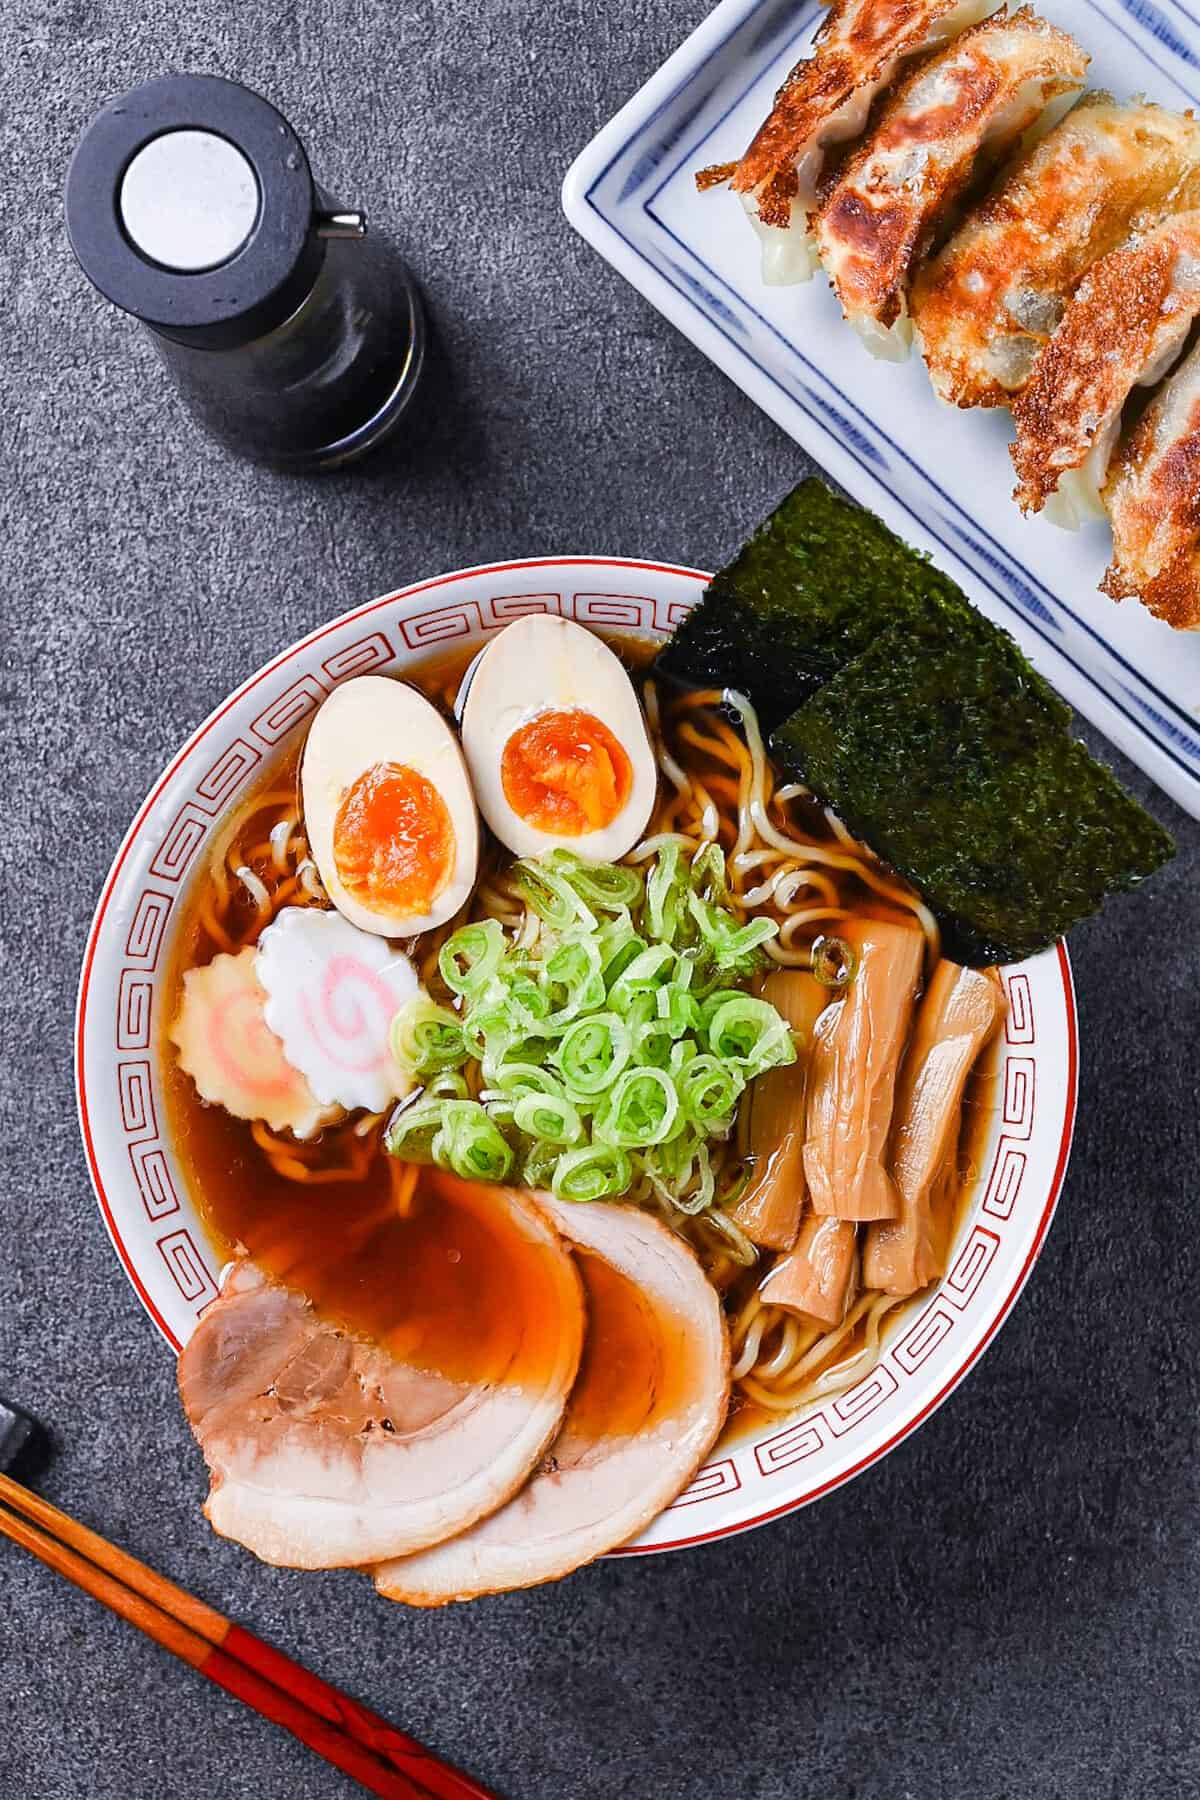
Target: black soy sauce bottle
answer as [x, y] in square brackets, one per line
[292, 336]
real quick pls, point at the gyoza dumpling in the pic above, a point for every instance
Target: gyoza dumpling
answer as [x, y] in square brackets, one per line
[1123, 328]
[944, 124]
[984, 307]
[825, 101]
[1153, 502]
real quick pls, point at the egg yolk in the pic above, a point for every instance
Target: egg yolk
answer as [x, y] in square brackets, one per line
[393, 841]
[565, 774]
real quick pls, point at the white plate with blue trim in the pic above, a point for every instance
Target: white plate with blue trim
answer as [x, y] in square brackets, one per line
[941, 478]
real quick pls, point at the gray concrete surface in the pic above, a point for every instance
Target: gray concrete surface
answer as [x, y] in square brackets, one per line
[1008, 1606]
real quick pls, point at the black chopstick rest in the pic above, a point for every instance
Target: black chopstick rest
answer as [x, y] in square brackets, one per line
[23, 1442]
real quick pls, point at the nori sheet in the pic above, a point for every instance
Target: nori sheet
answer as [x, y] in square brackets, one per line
[948, 760]
[818, 581]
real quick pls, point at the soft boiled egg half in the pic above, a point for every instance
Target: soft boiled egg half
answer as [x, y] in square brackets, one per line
[556, 742]
[388, 808]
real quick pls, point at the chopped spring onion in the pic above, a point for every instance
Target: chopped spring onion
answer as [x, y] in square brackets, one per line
[573, 981]
[667, 888]
[547, 892]
[471, 957]
[427, 1038]
[599, 1172]
[592, 1054]
[608, 887]
[613, 1045]
[747, 1034]
[640, 1111]
[470, 1143]
[549, 1117]
[708, 1090]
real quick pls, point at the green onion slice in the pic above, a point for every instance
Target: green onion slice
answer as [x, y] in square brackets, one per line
[550, 1117]
[470, 957]
[426, 1037]
[470, 1144]
[547, 892]
[599, 1172]
[709, 1090]
[592, 1054]
[641, 1110]
[608, 887]
[751, 1035]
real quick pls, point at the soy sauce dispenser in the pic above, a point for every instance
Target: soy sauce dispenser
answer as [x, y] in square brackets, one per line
[292, 335]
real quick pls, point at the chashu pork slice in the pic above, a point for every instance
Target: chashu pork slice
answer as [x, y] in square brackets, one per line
[984, 307]
[823, 103]
[327, 1450]
[1124, 327]
[954, 116]
[650, 1400]
[1153, 504]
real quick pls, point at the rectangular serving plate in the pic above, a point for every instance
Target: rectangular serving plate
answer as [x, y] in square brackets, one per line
[941, 478]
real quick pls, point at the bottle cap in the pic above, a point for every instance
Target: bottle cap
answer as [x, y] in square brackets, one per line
[191, 205]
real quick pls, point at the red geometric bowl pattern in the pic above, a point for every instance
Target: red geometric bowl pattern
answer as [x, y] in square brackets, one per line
[143, 1197]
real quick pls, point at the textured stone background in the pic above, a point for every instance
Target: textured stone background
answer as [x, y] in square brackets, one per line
[1008, 1606]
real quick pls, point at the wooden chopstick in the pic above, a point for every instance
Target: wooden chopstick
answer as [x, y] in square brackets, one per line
[363, 1745]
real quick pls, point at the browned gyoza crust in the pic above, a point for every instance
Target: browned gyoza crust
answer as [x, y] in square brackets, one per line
[858, 46]
[1153, 503]
[1127, 313]
[925, 149]
[987, 304]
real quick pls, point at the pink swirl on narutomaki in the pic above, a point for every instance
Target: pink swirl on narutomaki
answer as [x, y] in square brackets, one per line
[332, 993]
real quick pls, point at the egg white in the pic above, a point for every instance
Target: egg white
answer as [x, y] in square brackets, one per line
[544, 663]
[373, 720]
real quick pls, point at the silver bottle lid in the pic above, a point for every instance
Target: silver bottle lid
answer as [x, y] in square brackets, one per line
[189, 200]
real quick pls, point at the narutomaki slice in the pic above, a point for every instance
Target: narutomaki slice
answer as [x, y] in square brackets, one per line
[328, 1450]
[818, 1278]
[856, 1052]
[650, 1401]
[957, 1017]
[769, 1211]
[232, 1055]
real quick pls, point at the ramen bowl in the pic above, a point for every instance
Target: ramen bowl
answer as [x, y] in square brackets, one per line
[154, 1220]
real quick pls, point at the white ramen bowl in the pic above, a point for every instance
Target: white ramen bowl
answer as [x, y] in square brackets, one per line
[153, 1219]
